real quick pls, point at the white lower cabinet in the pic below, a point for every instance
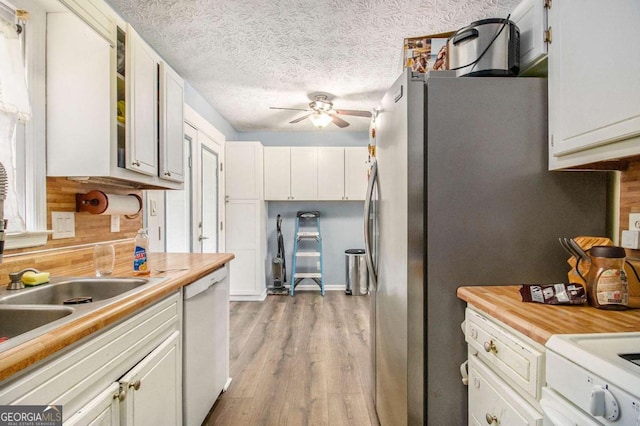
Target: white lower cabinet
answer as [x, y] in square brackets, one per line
[506, 373]
[493, 402]
[246, 239]
[104, 409]
[130, 373]
[152, 389]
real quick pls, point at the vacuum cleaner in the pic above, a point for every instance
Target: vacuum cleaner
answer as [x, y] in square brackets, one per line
[278, 264]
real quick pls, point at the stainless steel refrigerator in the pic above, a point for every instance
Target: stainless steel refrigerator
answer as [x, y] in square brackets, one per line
[462, 197]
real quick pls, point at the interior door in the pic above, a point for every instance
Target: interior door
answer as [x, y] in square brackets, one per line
[209, 223]
[178, 222]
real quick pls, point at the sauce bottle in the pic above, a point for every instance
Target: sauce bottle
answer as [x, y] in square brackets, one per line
[607, 286]
[140, 253]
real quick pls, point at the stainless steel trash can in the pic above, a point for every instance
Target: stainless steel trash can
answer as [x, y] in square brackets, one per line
[357, 273]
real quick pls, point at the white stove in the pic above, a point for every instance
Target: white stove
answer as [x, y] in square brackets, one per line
[593, 379]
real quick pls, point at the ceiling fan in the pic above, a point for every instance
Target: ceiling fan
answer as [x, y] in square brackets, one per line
[321, 112]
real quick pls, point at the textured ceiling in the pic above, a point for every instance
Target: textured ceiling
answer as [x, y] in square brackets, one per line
[243, 56]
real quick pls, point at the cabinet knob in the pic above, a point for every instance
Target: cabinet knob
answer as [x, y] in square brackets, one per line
[135, 385]
[121, 395]
[491, 419]
[490, 347]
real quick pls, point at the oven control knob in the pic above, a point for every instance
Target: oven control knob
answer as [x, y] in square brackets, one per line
[604, 404]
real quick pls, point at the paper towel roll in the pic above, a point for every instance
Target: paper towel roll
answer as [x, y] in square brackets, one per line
[98, 202]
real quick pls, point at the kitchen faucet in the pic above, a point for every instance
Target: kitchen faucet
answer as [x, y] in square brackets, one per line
[16, 278]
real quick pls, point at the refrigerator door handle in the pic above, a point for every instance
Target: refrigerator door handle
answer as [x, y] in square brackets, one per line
[367, 222]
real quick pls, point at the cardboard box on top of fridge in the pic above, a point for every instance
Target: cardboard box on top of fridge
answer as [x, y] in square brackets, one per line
[426, 53]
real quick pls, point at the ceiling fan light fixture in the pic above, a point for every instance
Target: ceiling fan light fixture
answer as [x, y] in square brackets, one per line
[320, 119]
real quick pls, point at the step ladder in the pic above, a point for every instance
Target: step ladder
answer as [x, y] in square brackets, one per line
[307, 250]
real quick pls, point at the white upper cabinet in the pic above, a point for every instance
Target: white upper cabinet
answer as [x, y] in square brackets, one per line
[315, 173]
[331, 173]
[594, 113]
[290, 173]
[142, 100]
[78, 98]
[97, 15]
[355, 172]
[105, 117]
[531, 18]
[304, 173]
[171, 124]
[342, 173]
[277, 173]
[244, 170]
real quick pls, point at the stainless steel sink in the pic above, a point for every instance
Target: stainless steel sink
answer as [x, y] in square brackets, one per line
[73, 291]
[16, 320]
[33, 311]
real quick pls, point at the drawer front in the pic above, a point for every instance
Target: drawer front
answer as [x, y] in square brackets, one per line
[510, 356]
[75, 376]
[493, 402]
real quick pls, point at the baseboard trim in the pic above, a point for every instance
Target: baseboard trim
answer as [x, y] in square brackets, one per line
[248, 297]
[300, 287]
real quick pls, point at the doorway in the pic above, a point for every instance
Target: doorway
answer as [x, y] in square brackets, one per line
[193, 218]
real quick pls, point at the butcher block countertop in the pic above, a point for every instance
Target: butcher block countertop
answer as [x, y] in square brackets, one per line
[179, 269]
[539, 321]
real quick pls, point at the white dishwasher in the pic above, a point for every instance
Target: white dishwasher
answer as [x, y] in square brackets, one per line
[205, 371]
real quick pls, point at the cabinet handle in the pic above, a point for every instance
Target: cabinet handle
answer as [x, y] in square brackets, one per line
[121, 394]
[135, 385]
[136, 163]
[490, 347]
[491, 419]
[167, 173]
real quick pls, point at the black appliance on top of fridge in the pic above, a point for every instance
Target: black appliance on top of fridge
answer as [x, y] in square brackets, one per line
[463, 196]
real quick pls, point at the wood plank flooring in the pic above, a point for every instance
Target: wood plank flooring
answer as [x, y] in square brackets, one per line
[302, 360]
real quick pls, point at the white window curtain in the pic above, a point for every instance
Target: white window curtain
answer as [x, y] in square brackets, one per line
[14, 107]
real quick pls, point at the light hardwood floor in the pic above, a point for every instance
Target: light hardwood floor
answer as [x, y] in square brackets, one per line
[302, 360]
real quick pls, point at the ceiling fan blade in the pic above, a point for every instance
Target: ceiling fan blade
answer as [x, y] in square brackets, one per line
[299, 119]
[291, 109]
[354, 112]
[339, 121]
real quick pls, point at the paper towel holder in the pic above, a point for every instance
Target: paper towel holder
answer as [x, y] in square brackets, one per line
[97, 202]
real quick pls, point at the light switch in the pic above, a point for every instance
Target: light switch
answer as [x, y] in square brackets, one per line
[153, 207]
[115, 223]
[64, 225]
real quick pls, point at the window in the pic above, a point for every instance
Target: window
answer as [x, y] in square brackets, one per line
[29, 154]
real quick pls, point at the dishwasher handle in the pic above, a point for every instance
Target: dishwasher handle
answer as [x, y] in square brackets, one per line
[204, 283]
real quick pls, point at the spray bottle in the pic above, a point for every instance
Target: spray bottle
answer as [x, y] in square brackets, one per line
[141, 253]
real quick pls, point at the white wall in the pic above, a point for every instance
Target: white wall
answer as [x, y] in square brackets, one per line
[341, 225]
[202, 107]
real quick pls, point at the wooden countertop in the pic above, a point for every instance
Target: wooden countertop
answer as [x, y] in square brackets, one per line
[179, 268]
[539, 321]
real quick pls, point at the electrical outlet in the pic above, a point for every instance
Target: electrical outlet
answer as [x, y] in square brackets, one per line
[634, 222]
[115, 223]
[63, 224]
